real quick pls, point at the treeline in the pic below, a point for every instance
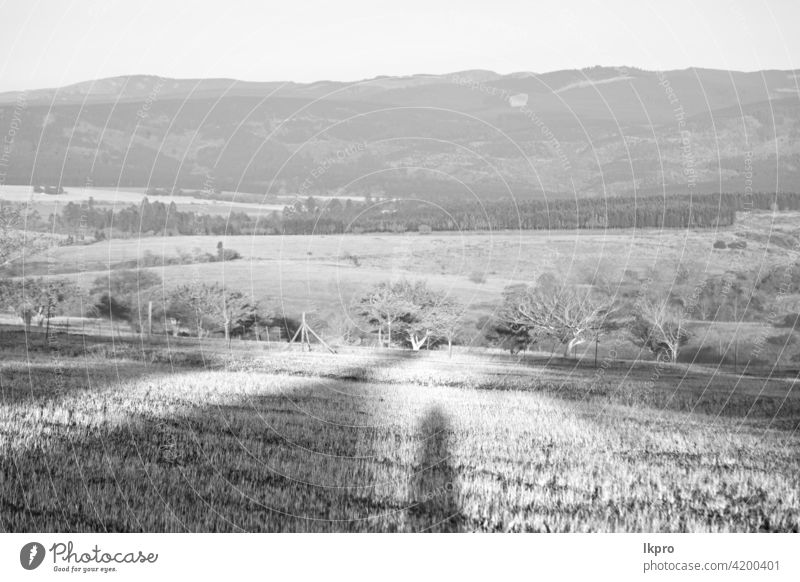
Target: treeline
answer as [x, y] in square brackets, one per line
[138, 299]
[551, 310]
[678, 212]
[334, 216]
[148, 218]
[699, 211]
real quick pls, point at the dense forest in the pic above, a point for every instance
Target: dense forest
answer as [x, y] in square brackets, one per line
[333, 216]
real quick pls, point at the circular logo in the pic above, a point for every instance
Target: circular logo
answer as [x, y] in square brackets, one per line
[31, 555]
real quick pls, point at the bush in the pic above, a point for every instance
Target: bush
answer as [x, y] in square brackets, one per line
[347, 256]
[737, 244]
[720, 244]
[179, 358]
[477, 277]
[779, 340]
[790, 320]
[228, 255]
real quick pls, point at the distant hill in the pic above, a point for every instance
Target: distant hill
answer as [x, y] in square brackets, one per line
[590, 133]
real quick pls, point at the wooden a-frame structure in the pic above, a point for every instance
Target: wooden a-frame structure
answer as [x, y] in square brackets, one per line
[303, 331]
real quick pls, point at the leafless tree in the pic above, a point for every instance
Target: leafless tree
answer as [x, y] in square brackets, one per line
[383, 306]
[202, 305]
[419, 315]
[15, 242]
[571, 315]
[448, 315]
[660, 326]
[40, 298]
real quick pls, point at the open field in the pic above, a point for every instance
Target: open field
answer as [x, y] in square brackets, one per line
[308, 272]
[505, 255]
[185, 435]
[125, 433]
[321, 275]
[129, 438]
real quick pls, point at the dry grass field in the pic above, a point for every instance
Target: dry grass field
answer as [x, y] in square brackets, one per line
[319, 273]
[322, 274]
[174, 434]
[203, 438]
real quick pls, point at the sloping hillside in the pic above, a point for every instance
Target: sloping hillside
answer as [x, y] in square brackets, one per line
[594, 132]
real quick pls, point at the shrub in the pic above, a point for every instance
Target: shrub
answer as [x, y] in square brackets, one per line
[790, 320]
[228, 255]
[720, 244]
[477, 277]
[779, 340]
[347, 256]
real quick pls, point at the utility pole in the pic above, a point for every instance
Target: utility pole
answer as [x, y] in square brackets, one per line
[596, 343]
[736, 334]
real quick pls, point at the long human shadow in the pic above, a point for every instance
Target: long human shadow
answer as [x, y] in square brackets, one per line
[434, 486]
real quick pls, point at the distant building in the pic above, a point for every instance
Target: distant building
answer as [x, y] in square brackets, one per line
[52, 190]
[518, 100]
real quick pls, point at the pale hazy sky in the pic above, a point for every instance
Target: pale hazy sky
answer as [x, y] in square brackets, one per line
[56, 42]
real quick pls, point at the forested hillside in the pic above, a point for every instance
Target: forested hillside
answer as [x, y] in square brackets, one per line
[589, 133]
[332, 216]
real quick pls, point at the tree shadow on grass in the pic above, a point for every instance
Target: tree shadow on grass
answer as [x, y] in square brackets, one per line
[291, 460]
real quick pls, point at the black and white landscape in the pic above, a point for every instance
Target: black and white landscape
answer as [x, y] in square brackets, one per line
[453, 301]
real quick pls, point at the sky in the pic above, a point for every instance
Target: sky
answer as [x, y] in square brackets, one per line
[48, 43]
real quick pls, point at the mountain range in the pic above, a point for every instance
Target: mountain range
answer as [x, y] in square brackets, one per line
[596, 132]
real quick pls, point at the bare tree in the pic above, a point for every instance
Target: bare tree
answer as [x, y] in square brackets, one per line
[417, 314]
[447, 321]
[418, 320]
[517, 320]
[189, 305]
[15, 242]
[558, 310]
[383, 306]
[202, 306]
[660, 326]
[40, 298]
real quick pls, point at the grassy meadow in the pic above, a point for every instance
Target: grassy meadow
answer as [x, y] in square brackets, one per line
[131, 437]
[321, 275]
[110, 432]
[314, 265]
